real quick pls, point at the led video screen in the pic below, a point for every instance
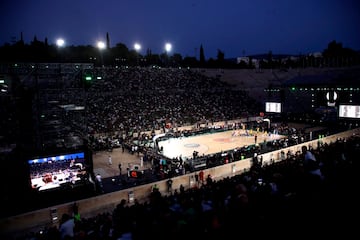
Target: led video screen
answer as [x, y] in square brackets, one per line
[349, 111]
[55, 171]
[273, 107]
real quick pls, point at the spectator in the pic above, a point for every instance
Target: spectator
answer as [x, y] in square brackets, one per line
[169, 183]
[66, 228]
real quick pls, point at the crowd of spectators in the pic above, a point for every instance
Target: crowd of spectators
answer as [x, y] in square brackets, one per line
[138, 100]
[292, 196]
[126, 106]
[265, 199]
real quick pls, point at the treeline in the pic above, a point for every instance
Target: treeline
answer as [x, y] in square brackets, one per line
[335, 55]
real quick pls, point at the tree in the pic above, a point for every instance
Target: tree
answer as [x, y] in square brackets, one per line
[176, 59]
[334, 49]
[189, 62]
[120, 53]
[107, 41]
[220, 58]
[220, 55]
[202, 56]
[336, 55]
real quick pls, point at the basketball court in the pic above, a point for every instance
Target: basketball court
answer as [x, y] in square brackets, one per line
[204, 144]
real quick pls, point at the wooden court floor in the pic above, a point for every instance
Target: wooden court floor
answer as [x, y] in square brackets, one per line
[204, 144]
[213, 143]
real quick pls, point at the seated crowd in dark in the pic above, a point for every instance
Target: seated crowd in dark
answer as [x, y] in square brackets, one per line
[269, 200]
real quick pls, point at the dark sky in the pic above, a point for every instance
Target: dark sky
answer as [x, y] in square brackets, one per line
[236, 27]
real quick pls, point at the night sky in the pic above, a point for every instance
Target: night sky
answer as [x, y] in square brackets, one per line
[236, 27]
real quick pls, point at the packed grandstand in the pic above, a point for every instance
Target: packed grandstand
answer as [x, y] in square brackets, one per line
[127, 106]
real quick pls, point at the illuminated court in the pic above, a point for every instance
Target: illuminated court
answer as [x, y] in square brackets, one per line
[206, 144]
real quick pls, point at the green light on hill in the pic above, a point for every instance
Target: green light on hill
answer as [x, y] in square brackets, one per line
[293, 88]
[88, 78]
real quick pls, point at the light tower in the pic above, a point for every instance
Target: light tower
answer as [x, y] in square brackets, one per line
[60, 43]
[168, 48]
[101, 46]
[137, 48]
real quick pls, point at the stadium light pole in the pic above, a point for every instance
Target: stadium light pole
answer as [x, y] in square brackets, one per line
[168, 48]
[101, 47]
[137, 48]
[60, 43]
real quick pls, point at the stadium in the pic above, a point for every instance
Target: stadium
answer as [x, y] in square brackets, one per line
[242, 127]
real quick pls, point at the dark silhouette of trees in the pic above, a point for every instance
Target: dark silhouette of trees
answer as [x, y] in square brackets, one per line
[190, 62]
[107, 41]
[335, 55]
[202, 56]
[220, 58]
[176, 60]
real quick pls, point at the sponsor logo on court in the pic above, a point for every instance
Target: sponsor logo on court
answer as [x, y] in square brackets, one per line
[192, 145]
[224, 140]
